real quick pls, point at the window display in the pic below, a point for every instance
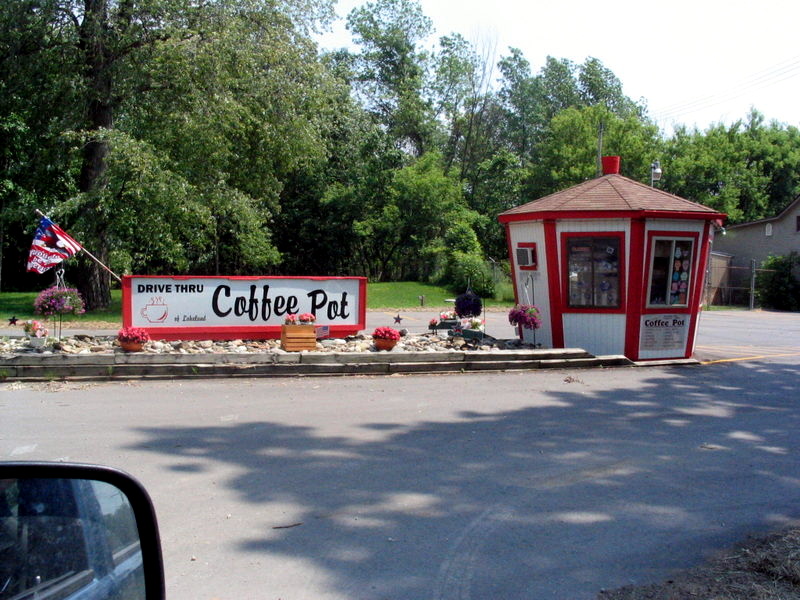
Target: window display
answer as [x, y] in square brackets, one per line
[670, 272]
[593, 272]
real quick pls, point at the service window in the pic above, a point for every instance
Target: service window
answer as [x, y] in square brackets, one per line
[526, 256]
[670, 272]
[593, 272]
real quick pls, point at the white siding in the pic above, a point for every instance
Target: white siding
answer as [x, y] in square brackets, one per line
[674, 225]
[532, 286]
[598, 333]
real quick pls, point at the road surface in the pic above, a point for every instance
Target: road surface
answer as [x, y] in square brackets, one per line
[520, 485]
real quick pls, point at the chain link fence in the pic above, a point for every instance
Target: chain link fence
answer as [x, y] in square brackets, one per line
[728, 285]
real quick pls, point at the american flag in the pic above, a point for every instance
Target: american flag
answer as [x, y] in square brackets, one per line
[50, 246]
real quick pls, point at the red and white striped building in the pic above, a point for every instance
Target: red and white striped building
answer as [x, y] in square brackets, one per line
[615, 266]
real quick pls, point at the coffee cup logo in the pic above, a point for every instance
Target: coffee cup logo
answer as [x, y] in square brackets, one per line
[155, 311]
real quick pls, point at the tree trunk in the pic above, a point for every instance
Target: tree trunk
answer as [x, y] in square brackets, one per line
[94, 282]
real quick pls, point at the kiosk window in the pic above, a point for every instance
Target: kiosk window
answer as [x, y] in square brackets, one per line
[593, 272]
[670, 272]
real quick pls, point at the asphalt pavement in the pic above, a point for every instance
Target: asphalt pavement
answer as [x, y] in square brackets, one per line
[517, 486]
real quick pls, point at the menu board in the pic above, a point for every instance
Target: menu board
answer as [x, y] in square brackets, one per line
[663, 332]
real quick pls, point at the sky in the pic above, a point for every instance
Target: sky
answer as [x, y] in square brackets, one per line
[695, 62]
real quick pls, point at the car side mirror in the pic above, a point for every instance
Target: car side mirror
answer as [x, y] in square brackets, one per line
[70, 531]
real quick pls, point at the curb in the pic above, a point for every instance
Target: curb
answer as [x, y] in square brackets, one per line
[119, 365]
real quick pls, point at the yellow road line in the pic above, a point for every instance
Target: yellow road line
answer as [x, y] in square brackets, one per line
[724, 360]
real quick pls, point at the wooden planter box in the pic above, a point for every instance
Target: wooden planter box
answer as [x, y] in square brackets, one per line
[295, 338]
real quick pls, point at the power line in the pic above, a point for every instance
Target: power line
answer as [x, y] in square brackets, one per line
[775, 74]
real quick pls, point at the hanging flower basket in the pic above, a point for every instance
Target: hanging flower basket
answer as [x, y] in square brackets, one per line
[526, 316]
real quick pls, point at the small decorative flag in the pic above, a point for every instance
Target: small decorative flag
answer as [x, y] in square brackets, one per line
[50, 246]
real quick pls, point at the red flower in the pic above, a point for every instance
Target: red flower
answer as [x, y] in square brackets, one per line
[386, 333]
[133, 334]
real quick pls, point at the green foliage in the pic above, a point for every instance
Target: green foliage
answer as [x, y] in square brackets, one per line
[20, 304]
[778, 286]
[391, 68]
[567, 154]
[748, 170]
[171, 136]
[469, 271]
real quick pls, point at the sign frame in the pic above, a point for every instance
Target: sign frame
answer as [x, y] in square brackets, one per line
[256, 331]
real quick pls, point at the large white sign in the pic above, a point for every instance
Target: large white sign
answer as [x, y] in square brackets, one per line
[231, 306]
[664, 332]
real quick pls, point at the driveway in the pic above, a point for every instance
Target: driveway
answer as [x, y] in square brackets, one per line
[516, 486]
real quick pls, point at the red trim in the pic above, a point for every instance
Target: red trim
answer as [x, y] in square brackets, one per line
[127, 304]
[215, 332]
[620, 235]
[554, 284]
[535, 264]
[633, 320]
[672, 235]
[697, 294]
[609, 214]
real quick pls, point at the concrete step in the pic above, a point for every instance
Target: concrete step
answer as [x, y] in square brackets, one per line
[121, 365]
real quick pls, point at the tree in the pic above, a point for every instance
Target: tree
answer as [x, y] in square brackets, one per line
[748, 170]
[220, 97]
[567, 154]
[391, 70]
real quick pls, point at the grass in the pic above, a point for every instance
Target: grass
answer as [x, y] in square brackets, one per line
[405, 295]
[380, 296]
[20, 305]
[720, 307]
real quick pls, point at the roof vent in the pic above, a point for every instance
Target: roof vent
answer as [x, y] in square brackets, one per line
[610, 165]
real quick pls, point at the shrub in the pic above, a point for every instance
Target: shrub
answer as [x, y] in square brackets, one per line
[470, 271]
[778, 287]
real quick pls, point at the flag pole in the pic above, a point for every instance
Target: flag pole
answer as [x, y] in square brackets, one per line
[89, 254]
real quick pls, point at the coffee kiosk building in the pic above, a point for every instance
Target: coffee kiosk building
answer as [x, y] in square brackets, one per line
[614, 266]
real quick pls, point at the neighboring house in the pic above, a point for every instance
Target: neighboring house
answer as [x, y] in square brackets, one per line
[755, 241]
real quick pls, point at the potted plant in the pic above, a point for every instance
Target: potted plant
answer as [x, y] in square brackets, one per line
[470, 329]
[468, 305]
[36, 332]
[447, 319]
[298, 332]
[132, 339]
[58, 301]
[385, 338]
[526, 316]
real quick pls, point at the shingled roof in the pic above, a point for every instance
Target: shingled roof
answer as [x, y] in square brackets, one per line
[610, 193]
